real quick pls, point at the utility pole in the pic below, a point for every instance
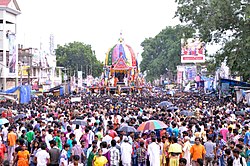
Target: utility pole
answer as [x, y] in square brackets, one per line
[91, 69]
[21, 74]
[30, 63]
[29, 72]
[86, 70]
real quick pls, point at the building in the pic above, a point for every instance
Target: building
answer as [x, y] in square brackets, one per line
[38, 68]
[9, 10]
[18, 65]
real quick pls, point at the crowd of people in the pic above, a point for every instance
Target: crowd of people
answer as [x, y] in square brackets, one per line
[55, 131]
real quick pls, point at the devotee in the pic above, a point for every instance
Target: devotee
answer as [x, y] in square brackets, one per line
[197, 152]
[154, 153]
[126, 152]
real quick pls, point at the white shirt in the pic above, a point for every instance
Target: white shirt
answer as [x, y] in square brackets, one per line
[78, 134]
[5, 133]
[48, 138]
[72, 164]
[126, 152]
[182, 129]
[42, 157]
[91, 136]
[64, 158]
[107, 139]
[236, 162]
[154, 154]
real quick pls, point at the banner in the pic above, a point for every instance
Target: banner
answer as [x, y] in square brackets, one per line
[190, 72]
[12, 53]
[239, 96]
[25, 94]
[35, 57]
[247, 97]
[179, 77]
[225, 88]
[24, 71]
[79, 76]
[75, 99]
[192, 50]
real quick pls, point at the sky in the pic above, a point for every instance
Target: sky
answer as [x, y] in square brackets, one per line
[94, 22]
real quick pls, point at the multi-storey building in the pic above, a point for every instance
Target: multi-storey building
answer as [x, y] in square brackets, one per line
[18, 65]
[9, 10]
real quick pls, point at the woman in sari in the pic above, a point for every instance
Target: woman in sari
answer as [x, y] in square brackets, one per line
[23, 157]
[99, 159]
[91, 156]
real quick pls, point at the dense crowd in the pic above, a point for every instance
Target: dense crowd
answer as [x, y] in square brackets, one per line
[201, 130]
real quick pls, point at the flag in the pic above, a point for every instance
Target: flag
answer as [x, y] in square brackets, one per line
[187, 87]
[25, 94]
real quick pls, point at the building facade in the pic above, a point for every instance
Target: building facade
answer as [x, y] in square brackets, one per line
[18, 65]
[9, 10]
[38, 68]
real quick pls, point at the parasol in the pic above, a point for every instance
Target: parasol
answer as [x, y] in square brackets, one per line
[127, 129]
[2, 109]
[172, 108]
[20, 116]
[165, 104]
[3, 121]
[79, 122]
[186, 113]
[123, 94]
[152, 125]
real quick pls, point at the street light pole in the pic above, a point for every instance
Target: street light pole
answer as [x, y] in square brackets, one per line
[29, 70]
[21, 72]
[4, 77]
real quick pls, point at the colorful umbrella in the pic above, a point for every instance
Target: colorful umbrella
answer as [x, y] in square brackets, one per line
[3, 121]
[152, 125]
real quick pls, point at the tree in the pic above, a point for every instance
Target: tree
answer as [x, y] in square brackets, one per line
[76, 56]
[163, 51]
[226, 22]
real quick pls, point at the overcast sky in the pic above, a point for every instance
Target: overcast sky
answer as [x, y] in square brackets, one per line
[95, 22]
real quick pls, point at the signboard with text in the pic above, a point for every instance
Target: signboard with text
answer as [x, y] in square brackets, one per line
[192, 50]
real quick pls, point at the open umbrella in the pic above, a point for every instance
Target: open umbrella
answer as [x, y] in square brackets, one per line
[172, 108]
[127, 129]
[79, 122]
[2, 109]
[123, 94]
[20, 116]
[165, 104]
[186, 113]
[239, 112]
[3, 121]
[152, 125]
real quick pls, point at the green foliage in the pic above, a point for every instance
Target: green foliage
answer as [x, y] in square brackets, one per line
[222, 21]
[163, 51]
[76, 56]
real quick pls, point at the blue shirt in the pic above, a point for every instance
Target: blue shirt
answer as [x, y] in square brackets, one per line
[247, 138]
[176, 132]
[170, 131]
[69, 141]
